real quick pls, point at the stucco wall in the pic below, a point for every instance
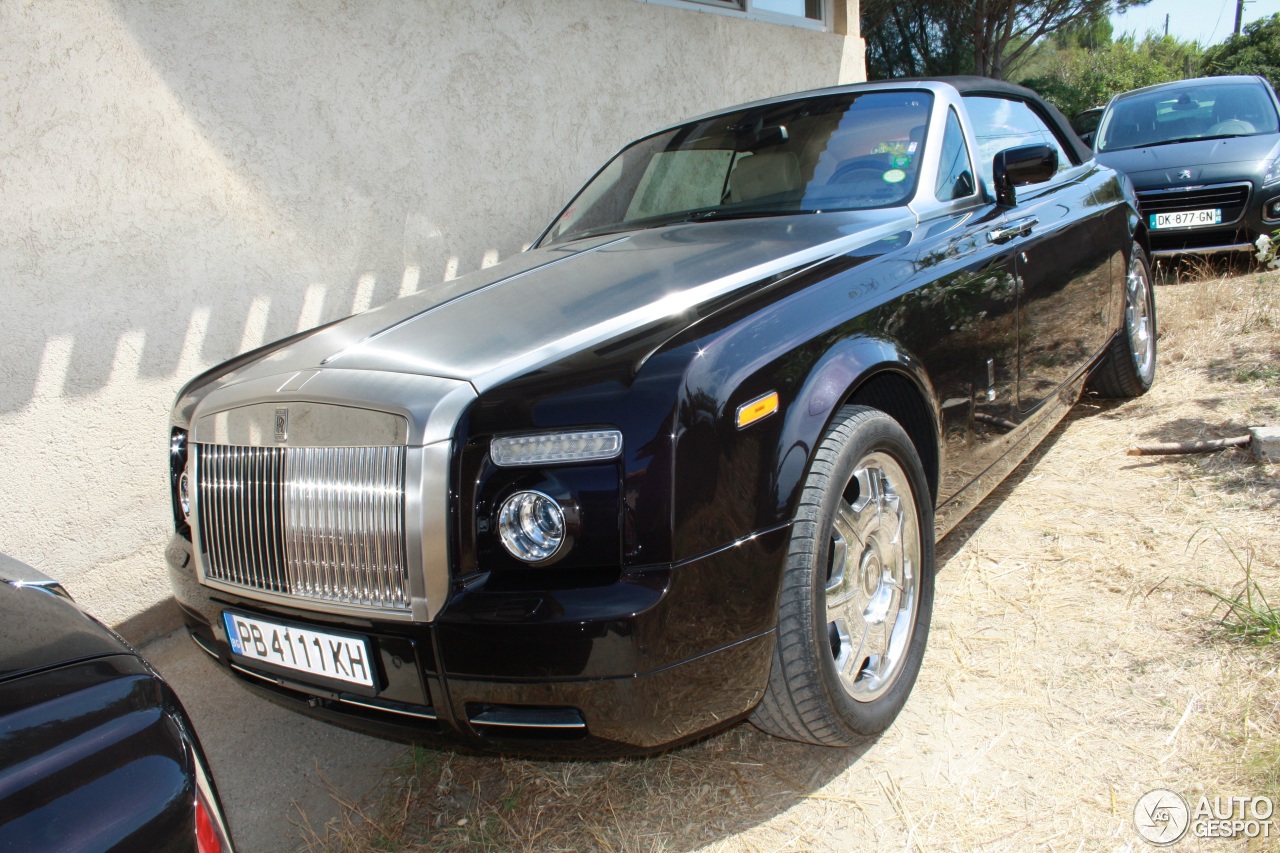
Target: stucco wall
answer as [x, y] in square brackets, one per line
[181, 181]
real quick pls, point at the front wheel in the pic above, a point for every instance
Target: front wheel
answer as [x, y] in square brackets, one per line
[857, 594]
[1129, 366]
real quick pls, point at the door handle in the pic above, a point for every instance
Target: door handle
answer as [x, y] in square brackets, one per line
[1019, 228]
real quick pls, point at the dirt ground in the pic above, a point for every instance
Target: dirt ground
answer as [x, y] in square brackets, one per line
[1075, 661]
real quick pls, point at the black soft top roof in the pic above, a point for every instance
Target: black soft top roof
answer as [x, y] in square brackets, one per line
[973, 85]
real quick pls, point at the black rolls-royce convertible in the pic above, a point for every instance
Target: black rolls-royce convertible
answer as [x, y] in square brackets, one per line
[684, 461]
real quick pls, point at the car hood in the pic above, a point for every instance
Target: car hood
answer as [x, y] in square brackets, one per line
[1236, 158]
[539, 306]
[39, 629]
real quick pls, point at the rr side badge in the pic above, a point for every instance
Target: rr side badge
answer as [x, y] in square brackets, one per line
[282, 425]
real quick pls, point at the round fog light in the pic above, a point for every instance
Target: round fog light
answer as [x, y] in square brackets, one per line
[531, 526]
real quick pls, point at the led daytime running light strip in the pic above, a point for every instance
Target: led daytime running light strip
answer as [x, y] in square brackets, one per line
[586, 446]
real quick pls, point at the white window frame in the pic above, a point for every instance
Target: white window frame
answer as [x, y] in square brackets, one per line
[745, 9]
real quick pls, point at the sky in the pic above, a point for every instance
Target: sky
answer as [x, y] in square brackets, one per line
[1206, 21]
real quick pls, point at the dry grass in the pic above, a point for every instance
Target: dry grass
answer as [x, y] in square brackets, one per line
[1074, 663]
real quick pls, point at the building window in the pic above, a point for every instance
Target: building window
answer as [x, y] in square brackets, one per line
[804, 13]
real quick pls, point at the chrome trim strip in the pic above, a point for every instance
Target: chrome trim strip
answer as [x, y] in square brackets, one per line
[1204, 250]
[498, 722]
[200, 644]
[276, 681]
[420, 715]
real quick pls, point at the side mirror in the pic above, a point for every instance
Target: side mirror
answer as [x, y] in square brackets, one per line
[1017, 167]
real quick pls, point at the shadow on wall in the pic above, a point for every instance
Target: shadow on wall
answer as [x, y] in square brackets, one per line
[184, 181]
[194, 184]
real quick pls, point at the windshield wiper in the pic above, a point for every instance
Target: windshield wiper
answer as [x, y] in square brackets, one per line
[705, 215]
[728, 213]
[1178, 139]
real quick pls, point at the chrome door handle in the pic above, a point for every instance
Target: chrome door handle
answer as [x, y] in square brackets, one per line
[1020, 228]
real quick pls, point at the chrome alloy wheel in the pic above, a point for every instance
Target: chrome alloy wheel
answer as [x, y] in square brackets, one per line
[872, 589]
[1137, 318]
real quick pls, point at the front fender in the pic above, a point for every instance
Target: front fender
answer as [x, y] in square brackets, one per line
[837, 378]
[730, 482]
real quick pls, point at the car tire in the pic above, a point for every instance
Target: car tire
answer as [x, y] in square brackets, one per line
[1129, 366]
[857, 593]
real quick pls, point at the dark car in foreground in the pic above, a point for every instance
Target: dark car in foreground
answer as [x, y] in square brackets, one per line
[682, 462]
[1204, 157]
[96, 752]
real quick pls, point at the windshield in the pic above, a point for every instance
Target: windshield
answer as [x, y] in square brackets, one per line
[834, 152]
[1198, 110]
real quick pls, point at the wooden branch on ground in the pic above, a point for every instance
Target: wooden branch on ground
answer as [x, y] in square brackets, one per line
[1174, 448]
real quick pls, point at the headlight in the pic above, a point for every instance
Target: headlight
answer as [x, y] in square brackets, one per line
[1272, 174]
[179, 482]
[532, 526]
[184, 495]
[582, 446]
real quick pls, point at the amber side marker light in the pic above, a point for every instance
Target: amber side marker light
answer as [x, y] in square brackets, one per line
[760, 407]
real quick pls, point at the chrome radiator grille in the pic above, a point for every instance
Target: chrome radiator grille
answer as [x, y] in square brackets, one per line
[320, 523]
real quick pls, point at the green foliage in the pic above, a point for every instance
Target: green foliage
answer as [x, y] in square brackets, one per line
[1074, 78]
[908, 38]
[1093, 33]
[1245, 615]
[919, 39]
[1255, 51]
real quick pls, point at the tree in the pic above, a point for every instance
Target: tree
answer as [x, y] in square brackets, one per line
[1074, 79]
[987, 37]
[916, 39]
[1255, 51]
[1094, 33]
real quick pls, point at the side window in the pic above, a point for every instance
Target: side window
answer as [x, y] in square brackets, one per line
[955, 171]
[1000, 123]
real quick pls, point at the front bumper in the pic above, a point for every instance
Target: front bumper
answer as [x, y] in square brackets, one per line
[663, 656]
[1243, 224]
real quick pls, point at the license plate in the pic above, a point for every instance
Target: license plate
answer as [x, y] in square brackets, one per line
[332, 656]
[1187, 218]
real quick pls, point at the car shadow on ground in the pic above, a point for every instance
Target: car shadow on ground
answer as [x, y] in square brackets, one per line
[679, 800]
